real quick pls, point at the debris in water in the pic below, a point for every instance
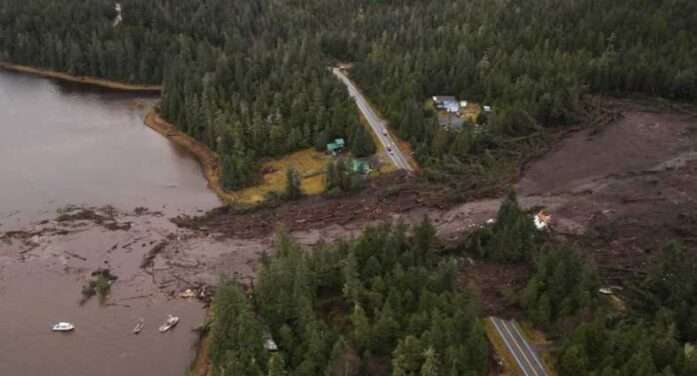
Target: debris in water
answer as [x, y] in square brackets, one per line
[170, 323]
[63, 327]
[139, 326]
[150, 256]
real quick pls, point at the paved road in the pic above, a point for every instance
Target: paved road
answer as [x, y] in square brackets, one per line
[527, 359]
[378, 125]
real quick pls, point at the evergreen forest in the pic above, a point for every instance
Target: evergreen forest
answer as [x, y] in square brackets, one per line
[251, 79]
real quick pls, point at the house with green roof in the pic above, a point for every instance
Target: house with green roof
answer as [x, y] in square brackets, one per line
[336, 146]
[360, 166]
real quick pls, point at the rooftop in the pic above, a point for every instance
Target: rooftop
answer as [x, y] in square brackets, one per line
[440, 98]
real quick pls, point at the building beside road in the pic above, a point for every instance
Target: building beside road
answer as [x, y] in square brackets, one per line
[455, 114]
[337, 146]
[446, 103]
[360, 166]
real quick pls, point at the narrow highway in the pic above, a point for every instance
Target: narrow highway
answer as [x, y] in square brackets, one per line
[527, 359]
[378, 125]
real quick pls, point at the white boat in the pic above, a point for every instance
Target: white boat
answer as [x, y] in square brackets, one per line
[63, 327]
[139, 326]
[169, 324]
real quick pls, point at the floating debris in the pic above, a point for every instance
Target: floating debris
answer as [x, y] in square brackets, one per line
[187, 294]
[139, 326]
[63, 327]
[170, 323]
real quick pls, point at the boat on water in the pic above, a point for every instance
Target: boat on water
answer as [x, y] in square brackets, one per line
[63, 327]
[139, 326]
[169, 324]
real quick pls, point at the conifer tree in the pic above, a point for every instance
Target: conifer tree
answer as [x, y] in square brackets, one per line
[408, 357]
[361, 327]
[572, 362]
[363, 144]
[430, 366]
[293, 184]
[276, 366]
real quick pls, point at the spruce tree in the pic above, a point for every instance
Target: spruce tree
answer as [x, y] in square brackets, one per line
[408, 357]
[363, 144]
[430, 366]
[276, 366]
[293, 184]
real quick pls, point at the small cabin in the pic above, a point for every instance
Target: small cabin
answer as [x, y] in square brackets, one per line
[269, 344]
[337, 146]
[360, 167]
[441, 102]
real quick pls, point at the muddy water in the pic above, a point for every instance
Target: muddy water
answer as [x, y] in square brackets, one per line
[64, 144]
[67, 145]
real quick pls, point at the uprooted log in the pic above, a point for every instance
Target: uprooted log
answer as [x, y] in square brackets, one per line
[150, 256]
[75, 255]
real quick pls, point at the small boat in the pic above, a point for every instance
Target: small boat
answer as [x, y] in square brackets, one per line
[169, 324]
[139, 326]
[63, 327]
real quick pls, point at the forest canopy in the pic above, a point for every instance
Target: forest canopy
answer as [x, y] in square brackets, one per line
[251, 80]
[383, 302]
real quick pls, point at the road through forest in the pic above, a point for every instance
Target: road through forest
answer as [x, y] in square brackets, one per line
[378, 125]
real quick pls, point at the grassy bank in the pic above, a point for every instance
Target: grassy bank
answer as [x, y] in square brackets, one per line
[114, 85]
[309, 163]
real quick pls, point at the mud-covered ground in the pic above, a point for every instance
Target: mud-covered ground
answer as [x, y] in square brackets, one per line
[42, 271]
[630, 187]
[621, 190]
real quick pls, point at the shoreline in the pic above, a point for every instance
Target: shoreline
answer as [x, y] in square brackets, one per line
[200, 366]
[86, 80]
[206, 157]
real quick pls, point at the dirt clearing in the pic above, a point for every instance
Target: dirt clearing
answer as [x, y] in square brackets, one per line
[631, 187]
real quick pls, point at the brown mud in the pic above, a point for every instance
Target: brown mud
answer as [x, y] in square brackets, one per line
[42, 271]
[620, 189]
[109, 84]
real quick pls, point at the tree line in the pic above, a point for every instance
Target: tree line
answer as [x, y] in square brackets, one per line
[250, 78]
[654, 338]
[386, 302]
[532, 62]
[647, 335]
[246, 78]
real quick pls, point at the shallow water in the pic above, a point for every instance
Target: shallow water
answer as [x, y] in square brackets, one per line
[63, 144]
[66, 145]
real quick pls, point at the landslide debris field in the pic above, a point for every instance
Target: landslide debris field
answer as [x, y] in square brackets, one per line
[629, 187]
[620, 190]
